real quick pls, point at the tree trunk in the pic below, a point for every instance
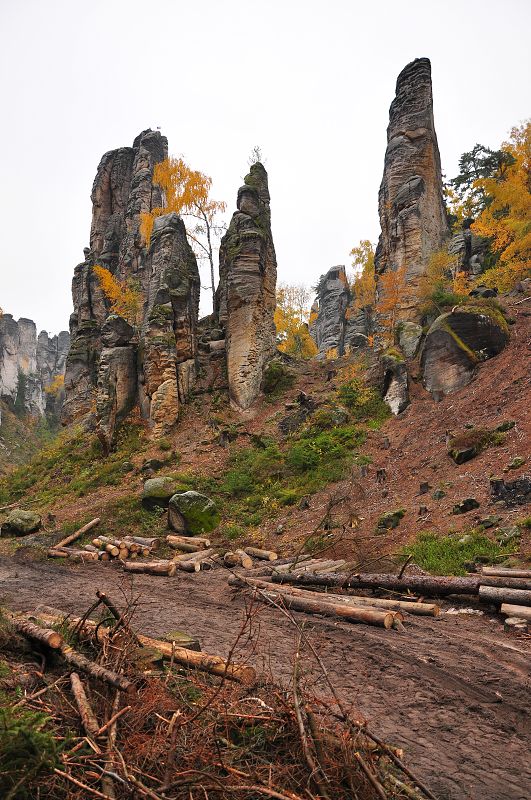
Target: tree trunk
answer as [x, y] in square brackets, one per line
[43, 635]
[113, 550]
[420, 609]
[188, 566]
[504, 582]
[66, 552]
[523, 612]
[497, 595]
[245, 560]
[199, 541]
[199, 555]
[256, 552]
[152, 542]
[73, 536]
[368, 616]
[90, 723]
[420, 584]
[167, 568]
[506, 572]
[186, 547]
[95, 671]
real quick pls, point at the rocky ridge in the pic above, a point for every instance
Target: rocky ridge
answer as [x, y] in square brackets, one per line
[29, 365]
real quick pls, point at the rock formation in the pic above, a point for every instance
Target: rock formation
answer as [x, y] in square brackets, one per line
[246, 294]
[410, 200]
[336, 325]
[113, 363]
[31, 367]
[456, 343]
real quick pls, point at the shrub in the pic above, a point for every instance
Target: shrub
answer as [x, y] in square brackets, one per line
[277, 380]
[447, 555]
[362, 401]
[26, 750]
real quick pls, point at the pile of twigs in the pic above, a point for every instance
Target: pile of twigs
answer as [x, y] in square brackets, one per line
[187, 734]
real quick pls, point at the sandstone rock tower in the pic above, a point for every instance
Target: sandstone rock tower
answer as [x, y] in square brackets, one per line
[246, 292]
[114, 365]
[410, 200]
[336, 324]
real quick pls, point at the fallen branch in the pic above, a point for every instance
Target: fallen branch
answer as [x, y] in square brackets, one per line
[88, 718]
[73, 536]
[43, 635]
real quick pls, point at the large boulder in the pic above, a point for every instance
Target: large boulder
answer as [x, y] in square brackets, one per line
[395, 382]
[20, 523]
[512, 493]
[456, 343]
[158, 491]
[192, 513]
[409, 336]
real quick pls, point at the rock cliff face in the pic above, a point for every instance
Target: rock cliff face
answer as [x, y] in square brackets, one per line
[410, 200]
[246, 293]
[29, 365]
[114, 364]
[336, 325]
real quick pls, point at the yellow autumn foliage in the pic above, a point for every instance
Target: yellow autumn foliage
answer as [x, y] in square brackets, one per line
[55, 385]
[124, 296]
[363, 284]
[506, 220]
[291, 321]
[393, 284]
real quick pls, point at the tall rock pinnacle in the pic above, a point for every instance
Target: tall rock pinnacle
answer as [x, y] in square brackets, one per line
[115, 364]
[246, 294]
[410, 200]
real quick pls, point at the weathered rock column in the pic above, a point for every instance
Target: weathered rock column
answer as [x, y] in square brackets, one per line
[410, 200]
[246, 294]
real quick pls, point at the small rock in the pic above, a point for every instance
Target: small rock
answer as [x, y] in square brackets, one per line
[438, 494]
[465, 539]
[424, 487]
[386, 443]
[128, 466]
[152, 464]
[391, 519]
[158, 491]
[279, 530]
[505, 535]
[304, 504]
[465, 505]
[505, 426]
[515, 624]
[423, 510]
[462, 454]
[518, 461]
[491, 521]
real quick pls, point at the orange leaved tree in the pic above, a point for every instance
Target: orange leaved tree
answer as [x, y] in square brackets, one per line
[291, 321]
[124, 296]
[506, 218]
[363, 284]
[186, 191]
[392, 285]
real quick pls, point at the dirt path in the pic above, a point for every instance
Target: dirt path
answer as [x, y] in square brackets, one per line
[453, 691]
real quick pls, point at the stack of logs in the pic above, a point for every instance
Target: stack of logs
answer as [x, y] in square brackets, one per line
[103, 548]
[196, 554]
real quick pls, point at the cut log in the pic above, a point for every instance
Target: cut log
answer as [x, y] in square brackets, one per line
[123, 553]
[429, 585]
[269, 568]
[152, 542]
[505, 582]
[134, 547]
[506, 572]
[188, 566]
[522, 612]
[167, 568]
[188, 543]
[245, 560]
[179, 655]
[45, 636]
[88, 718]
[67, 552]
[73, 536]
[103, 555]
[368, 616]
[184, 547]
[197, 556]
[90, 548]
[420, 609]
[95, 671]
[498, 595]
[256, 552]
[112, 550]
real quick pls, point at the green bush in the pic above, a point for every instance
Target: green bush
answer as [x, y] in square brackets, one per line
[362, 401]
[447, 555]
[277, 380]
[27, 750]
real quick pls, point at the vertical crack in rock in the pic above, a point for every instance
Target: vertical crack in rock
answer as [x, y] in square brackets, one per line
[246, 294]
[113, 365]
[410, 201]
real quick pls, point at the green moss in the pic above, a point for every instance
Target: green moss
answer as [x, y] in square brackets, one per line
[394, 353]
[277, 380]
[363, 402]
[459, 342]
[391, 519]
[488, 307]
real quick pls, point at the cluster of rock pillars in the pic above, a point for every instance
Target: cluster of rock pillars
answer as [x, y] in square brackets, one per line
[170, 354]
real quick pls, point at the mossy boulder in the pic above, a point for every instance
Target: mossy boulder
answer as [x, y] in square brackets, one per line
[409, 336]
[193, 513]
[457, 342]
[20, 523]
[158, 491]
[390, 520]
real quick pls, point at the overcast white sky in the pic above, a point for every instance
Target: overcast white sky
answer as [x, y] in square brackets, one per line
[309, 81]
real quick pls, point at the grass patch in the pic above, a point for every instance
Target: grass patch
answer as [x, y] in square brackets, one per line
[73, 464]
[447, 555]
[363, 402]
[277, 380]
[477, 439]
[27, 750]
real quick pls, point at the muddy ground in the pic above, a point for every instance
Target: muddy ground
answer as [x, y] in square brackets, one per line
[452, 691]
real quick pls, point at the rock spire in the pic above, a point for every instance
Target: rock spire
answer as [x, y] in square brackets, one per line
[410, 201]
[246, 293]
[113, 363]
